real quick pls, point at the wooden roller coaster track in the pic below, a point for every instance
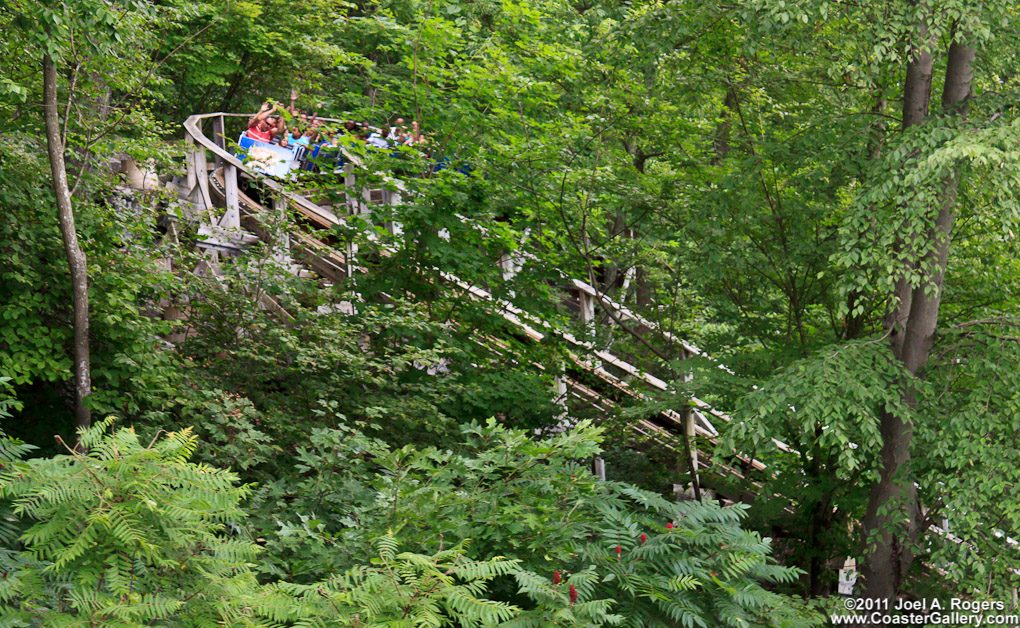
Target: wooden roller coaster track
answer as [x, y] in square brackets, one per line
[229, 219]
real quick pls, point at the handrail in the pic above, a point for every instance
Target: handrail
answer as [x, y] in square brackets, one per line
[191, 126]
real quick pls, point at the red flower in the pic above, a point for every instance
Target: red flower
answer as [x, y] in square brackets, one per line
[573, 594]
[713, 573]
[644, 537]
[556, 577]
[618, 550]
[669, 526]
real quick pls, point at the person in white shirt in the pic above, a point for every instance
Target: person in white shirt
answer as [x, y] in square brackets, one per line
[378, 139]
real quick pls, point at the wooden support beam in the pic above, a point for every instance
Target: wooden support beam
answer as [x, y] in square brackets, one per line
[587, 303]
[197, 165]
[281, 245]
[510, 264]
[353, 208]
[190, 165]
[198, 206]
[506, 266]
[219, 137]
[688, 414]
[232, 214]
[349, 183]
[201, 170]
[394, 227]
[563, 421]
[691, 432]
[364, 204]
[561, 393]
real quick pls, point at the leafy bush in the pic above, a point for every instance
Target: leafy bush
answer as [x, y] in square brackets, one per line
[510, 532]
[630, 555]
[125, 535]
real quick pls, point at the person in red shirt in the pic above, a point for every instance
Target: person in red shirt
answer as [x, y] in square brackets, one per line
[262, 126]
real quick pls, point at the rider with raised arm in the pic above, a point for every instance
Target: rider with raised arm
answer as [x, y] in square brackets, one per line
[262, 126]
[305, 130]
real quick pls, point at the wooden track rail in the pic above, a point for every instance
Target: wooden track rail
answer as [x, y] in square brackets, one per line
[227, 215]
[594, 377]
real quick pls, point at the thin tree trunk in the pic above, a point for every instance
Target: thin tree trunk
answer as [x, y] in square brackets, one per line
[235, 82]
[613, 275]
[75, 256]
[721, 142]
[643, 296]
[894, 532]
[821, 519]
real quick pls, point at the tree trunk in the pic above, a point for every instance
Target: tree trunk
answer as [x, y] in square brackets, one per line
[821, 520]
[916, 100]
[721, 142]
[916, 317]
[613, 276]
[75, 256]
[236, 82]
[643, 296]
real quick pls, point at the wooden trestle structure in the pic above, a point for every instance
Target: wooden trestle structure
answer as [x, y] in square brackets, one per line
[228, 220]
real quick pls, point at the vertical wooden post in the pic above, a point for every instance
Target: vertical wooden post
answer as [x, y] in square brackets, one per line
[232, 214]
[198, 210]
[219, 137]
[349, 183]
[366, 199]
[199, 163]
[353, 206]
[563, 419]
[281, 243]
[506, 265]
[394, 227]
[598, 467]
[512, 263]
[190, 165]
[690, 434]
[587, 302]
[201, 170]
[351, 254]
[587, 314]
[628, 278]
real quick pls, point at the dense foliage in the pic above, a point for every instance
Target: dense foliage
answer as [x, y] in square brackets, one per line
[506, 533]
